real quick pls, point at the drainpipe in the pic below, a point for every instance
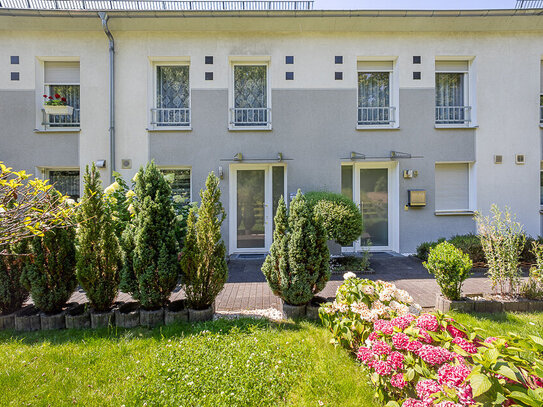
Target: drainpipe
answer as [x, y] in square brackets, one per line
[104, 17]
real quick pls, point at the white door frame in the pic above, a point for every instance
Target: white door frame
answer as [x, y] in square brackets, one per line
[393, 204]
[268, 205]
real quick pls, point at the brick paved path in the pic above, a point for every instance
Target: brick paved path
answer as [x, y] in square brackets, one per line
[247, 289]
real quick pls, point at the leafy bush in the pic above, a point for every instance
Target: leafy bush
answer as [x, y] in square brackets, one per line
[503, 240]
[451, 268]
[13, 294]
[298, 264]
[50, 276]
[99, 254]
[533, 288]
[151, 271]
[471, 245]
[340, 216]
[203, 262]
[423, 249]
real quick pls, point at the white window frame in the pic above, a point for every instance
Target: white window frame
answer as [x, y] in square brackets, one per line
[179, 167]
[44, 171]
[472, 191]
[155, 63]
[252, 60]
[469, 90]
[394, 91]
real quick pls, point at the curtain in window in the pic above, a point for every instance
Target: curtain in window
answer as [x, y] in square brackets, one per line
[450, 98]
[250, 95]
[374, 98]
[71, 93]
[66, 182]
[172, 95]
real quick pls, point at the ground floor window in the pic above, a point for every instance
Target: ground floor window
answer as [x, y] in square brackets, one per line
[180, 181]
[452, 186]
[65, 181]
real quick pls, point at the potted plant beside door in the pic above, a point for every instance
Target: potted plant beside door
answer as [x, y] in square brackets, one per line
[57, 105]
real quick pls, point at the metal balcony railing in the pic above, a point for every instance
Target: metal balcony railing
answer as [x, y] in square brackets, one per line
[249, 117]
[156, 5]
[61, 120]
[458, 115]
[376, 116]
[525, 4]
[174, 117]
[541, 114]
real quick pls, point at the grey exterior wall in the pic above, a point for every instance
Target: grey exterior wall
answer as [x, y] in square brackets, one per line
[24, 149]
[316, 129]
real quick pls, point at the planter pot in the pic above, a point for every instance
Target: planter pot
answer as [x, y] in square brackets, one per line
[128, 315]
[54, 321]
[294, 311]
[78, 317]
[102, 319]
[7, 321]
[196, 315]
[176, 312]
[312, 309]
[58, 110]
[28, 319]
[445, 305]
[151, 318]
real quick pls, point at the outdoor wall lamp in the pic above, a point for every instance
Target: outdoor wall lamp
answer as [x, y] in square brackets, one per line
[221, 173]
[100, 163]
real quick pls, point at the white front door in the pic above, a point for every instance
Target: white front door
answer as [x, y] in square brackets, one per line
[254, 192]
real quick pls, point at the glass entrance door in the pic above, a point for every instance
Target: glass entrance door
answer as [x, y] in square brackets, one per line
[374, 197]
[251, 216]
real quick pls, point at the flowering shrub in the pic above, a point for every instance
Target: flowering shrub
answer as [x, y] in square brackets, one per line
[431, 360]
[55, 100]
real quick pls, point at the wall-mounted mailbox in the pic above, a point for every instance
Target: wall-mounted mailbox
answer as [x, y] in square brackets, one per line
[416, 197]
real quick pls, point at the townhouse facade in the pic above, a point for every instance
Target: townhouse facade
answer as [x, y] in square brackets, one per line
[422, 118]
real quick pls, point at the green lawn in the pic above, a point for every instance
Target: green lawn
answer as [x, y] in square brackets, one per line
[243, 362]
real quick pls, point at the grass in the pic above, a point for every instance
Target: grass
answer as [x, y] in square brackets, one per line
[224, 363]
[503, 323]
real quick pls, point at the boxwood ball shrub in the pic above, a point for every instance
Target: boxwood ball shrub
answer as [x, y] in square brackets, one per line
[50, 276]
[451, 267]
[340, 216]
[297, 266]
[13, 293]
[151, 271]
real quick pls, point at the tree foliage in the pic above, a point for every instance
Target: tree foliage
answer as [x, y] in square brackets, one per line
[99, 254]
[203, 262]
[13, 294]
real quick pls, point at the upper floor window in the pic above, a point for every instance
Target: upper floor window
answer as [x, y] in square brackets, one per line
[65, 181]
[251, 104]
[172, 99]
[452, 93]
[62, 78]
[375, 94]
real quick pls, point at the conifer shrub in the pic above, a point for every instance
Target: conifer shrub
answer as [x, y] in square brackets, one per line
[13, 293]
[99, 254]
[151, 270]
[340, 216]
[297, 266]
[50, 276]
[203, 262]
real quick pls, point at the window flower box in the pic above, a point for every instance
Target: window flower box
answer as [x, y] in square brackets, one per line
[58, 110]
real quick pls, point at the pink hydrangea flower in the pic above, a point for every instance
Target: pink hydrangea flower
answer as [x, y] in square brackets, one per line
[452, 376]
[384, 326]
[381, 347]
[490, 339]
[403, 322]
[455, 332]
[396, 360]
[381, 367]
[434, 355]
[425, 336]
[428, 322]
[400, 340]
[414, 346]
[425, 388]
[538, 381]
[465, 395]
[398, 381]
[366, 355]
[465, 345]
[447, 403]
[413, 403]
[374, 336]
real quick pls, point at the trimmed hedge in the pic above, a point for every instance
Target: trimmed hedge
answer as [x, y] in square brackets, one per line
[340, 216]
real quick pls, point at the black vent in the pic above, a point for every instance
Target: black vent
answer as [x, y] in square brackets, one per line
[416, 76]
[289, 76]
[289, 59]
[15, 76]
[416, 59]
[339, 76]
[339, 59]
[209, 60]
[14, 59]
[209, 76]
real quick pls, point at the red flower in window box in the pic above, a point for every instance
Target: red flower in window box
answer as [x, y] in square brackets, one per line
[57, 96]
[57, 100]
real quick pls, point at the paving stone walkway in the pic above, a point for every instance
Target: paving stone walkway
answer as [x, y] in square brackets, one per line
[247, 289]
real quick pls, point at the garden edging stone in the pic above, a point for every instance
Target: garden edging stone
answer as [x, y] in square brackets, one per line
[176, 312]
[294, 311]
[7, 321]
[196, 315]
[78, 317]
[127, 315]
[55, 321]
[151, 318]
[102, 319]
[28, 319]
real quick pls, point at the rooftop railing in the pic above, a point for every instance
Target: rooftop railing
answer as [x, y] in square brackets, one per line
[157, 5]
[524, 4]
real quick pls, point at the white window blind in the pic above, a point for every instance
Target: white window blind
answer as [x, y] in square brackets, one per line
[452, 186]
[375, 66]
[60, 72]
[452, 66]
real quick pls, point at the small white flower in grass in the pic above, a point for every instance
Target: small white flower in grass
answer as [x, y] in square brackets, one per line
[349, 275]
[531, 323]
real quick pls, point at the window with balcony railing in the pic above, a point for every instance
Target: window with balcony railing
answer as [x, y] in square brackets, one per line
[62, 78]
[250, 93]
[172, 107]
[65, 181]
[374, 107]
[452, 106]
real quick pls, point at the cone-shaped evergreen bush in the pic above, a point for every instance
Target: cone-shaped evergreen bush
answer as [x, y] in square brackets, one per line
[99, 254]
[155, 268]
[203, 262]
[50, 276]
[298, 264]
[13, 294]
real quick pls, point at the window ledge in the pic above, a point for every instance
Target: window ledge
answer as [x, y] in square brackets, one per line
[59, 130]
[378, 127]
[541, 125]
[168, 129]
[250, 128]
[463, 212]
[456, 126]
